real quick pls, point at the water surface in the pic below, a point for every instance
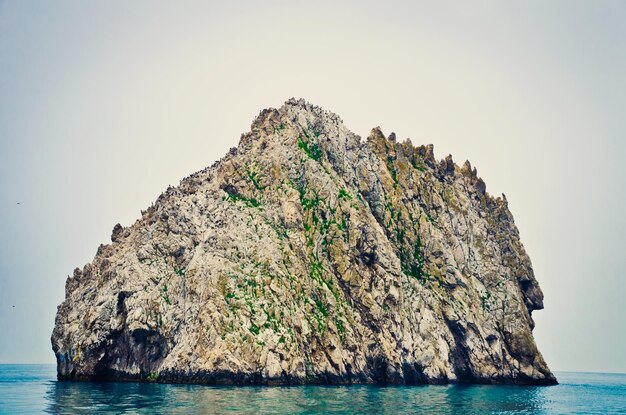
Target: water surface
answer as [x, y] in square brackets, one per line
[34, 389]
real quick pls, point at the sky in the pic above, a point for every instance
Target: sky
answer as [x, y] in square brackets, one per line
[105, 104]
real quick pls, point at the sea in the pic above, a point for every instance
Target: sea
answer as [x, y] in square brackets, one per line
[33, 389]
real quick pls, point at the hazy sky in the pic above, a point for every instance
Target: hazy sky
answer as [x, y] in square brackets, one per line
[105, 104]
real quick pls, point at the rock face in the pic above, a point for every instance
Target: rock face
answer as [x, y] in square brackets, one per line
[308, 256]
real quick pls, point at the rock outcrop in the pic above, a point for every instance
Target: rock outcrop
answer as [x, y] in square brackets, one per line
[307, 255]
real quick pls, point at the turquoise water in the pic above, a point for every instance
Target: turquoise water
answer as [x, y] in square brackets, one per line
[33, 389]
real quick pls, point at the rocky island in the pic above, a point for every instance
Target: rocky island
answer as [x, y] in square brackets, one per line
[307, 255]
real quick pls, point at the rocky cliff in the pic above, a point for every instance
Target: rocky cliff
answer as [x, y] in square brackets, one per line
[306, 255]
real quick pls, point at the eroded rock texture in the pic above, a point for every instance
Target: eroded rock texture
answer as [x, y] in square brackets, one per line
[308, 256]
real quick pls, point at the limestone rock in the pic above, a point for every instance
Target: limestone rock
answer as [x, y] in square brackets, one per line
[307, 255]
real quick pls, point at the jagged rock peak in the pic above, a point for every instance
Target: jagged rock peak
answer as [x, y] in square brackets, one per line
[307, 256]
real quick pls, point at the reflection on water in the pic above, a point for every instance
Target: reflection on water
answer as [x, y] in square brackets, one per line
[32, 389]
[92, 398]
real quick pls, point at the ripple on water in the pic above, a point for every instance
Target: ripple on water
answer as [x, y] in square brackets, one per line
[32, 389]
